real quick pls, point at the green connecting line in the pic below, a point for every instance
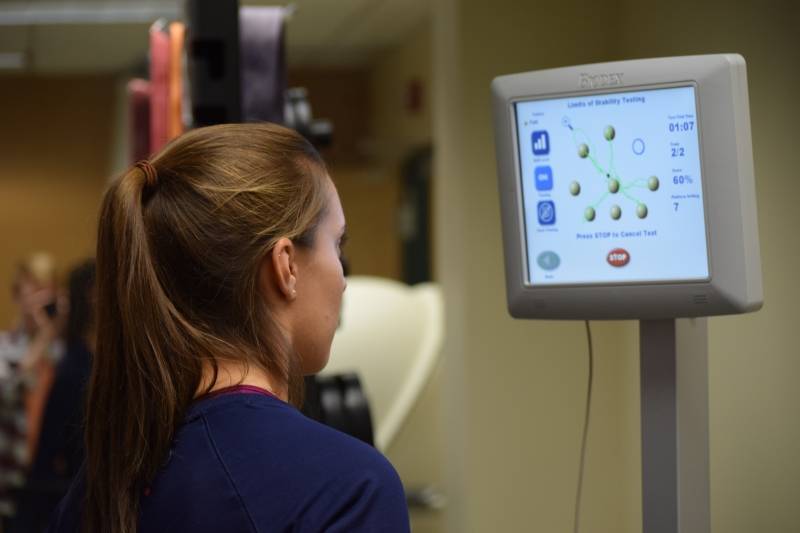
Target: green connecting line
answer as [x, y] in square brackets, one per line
[588, 140]
[591, 149]
[597, 166]
[611, 159]
[625, 192]
[600, 201]
[640, 183]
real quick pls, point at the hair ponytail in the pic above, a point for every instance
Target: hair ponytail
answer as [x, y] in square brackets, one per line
[136, 401]
[179, 244]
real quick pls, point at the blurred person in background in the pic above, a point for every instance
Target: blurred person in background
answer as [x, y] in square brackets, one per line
[59, 452]
[28, 351]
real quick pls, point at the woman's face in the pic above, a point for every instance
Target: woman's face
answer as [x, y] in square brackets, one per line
[320, 284]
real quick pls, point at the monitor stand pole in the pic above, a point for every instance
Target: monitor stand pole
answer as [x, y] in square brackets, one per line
[675, 452]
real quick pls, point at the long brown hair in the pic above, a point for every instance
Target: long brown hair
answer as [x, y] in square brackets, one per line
[178, 254]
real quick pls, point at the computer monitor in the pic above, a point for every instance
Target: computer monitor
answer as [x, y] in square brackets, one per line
[627, 190]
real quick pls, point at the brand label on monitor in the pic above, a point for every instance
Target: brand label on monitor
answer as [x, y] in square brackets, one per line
[589, 81]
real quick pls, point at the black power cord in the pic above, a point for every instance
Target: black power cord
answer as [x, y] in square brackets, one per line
[579, 491]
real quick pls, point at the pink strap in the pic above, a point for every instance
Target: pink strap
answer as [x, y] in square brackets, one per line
[238, 389]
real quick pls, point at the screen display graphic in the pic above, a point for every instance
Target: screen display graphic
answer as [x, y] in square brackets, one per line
[612, 188]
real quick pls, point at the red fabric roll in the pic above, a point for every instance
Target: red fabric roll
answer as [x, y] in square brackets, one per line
[139, 119]
[177, 31]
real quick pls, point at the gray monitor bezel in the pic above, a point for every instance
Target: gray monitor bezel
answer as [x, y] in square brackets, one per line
[722, 109]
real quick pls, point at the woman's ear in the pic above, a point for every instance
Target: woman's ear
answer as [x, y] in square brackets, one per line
[279, 270]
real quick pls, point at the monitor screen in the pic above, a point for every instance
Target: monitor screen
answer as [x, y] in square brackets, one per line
[612, 188]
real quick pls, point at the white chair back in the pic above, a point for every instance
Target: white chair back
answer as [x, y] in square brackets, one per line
[391, 335]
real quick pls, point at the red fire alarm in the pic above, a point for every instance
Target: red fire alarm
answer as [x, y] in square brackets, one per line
[414, 96]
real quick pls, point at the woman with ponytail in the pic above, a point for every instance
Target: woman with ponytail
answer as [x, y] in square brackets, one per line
[219, 284]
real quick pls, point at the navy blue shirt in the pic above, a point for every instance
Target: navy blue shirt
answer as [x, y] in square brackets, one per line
[252, 463]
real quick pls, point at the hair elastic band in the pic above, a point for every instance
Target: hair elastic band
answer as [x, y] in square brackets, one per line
[150, 175]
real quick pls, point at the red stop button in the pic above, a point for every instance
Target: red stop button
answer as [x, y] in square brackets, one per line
[618, 257]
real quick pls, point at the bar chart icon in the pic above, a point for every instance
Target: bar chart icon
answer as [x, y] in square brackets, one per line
[540, 141]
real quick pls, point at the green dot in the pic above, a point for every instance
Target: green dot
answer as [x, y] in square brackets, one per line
[609, 133]
[652, 183]
[589, 213]
[616, 212]
[583, 150]
[641, 211]
[613, 185]
[574, 188]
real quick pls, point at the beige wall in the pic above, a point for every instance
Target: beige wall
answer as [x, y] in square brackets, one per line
[394, 127]
[54, 150]
[372, 190]
[514, 390]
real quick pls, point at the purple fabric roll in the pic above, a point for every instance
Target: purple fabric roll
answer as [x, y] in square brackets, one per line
[262, 63]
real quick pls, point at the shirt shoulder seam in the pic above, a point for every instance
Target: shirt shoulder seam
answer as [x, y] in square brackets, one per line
[228, 474]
